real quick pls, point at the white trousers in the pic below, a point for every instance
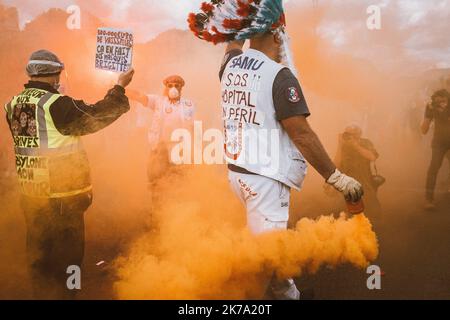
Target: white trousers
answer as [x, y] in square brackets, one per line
[267, 203]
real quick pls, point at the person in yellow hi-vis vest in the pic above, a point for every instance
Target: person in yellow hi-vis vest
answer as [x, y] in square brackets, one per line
[53, 168]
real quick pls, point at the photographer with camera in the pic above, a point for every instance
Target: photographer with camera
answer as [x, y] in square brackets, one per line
[354, 157]
[439, 113]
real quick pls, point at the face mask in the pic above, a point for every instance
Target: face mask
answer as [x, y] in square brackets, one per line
[56, 86]
[174, 93]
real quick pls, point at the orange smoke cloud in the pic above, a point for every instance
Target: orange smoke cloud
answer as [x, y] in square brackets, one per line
[202, 250]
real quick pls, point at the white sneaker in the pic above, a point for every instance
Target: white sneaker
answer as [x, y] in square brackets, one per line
[285, 290]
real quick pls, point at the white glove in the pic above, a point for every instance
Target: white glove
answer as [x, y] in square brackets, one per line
[352, 189]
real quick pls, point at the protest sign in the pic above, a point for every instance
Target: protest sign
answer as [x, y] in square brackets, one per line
[114, 50]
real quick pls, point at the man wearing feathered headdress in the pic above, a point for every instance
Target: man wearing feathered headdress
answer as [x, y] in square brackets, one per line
[267, 135]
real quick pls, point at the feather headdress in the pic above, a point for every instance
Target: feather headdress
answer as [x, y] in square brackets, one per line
[228, 20]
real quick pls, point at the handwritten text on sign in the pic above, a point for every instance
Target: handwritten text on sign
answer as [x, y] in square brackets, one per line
[114, 50]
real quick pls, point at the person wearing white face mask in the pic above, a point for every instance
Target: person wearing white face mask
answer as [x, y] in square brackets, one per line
[169, 112]
[174, 94]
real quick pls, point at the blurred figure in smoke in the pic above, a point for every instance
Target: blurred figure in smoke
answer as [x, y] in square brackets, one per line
[261, 95]
[53, 168]
[354, 157]
[415, 114]
[169, 112]
[439, 113]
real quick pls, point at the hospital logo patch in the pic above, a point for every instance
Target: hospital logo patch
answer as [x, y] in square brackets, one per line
[293, 95]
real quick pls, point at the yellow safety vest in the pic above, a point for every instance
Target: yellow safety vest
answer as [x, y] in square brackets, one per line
[49, 164]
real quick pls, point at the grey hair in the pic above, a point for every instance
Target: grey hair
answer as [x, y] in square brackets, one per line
[287, 57]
